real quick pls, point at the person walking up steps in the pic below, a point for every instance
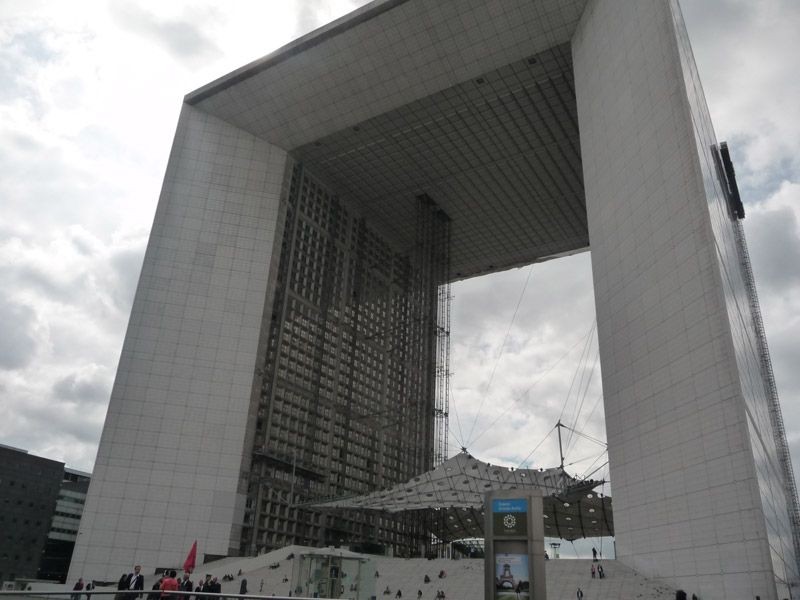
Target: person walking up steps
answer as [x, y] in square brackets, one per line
[579, 594]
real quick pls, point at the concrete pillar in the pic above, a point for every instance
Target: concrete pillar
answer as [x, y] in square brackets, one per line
[689, 504]
[169, 461]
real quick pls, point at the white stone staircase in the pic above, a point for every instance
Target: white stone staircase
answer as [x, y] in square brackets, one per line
[464, 580]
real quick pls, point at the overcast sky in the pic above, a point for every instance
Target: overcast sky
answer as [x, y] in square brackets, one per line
[89, 99]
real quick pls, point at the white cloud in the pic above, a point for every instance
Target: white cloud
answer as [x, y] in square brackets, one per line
[88, 106]
[543, 371]
[748, 55]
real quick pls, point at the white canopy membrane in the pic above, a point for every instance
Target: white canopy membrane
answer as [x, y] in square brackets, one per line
[455, 492]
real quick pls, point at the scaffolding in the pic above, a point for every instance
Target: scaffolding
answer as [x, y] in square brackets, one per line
[727, 177]
[765, 364]
[354, 378]
[433, 246]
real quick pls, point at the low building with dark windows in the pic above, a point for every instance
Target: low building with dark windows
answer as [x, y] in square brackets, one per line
[41, 504]
[54, 563]
[29, 487]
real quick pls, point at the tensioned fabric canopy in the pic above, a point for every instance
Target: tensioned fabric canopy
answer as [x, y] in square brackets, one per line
[455, 491]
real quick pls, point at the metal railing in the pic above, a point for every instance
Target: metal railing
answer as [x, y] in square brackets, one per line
[142, 595]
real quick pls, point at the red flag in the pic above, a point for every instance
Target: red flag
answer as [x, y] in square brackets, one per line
[188, 564]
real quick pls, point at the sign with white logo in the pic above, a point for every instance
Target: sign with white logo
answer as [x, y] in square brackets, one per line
[510, 517]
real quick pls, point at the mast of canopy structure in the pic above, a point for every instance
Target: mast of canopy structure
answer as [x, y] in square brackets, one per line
[559, 425]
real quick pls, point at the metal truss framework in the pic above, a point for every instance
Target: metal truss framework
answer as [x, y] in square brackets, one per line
[355, 374]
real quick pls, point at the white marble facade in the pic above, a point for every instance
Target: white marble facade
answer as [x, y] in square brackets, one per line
[687, 502]
[685, 406]
[171, 452]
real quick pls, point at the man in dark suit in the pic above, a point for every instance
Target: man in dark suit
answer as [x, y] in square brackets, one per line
[185, 585]
[133, 582]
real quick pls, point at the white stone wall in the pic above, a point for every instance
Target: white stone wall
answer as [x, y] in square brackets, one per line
[686, 498]
[171, 452]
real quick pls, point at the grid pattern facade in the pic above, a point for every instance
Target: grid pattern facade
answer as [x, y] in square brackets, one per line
[506, 139]
[750, 352]
[348, 399]
[29, 486]
[170, 458]
[698, 492]
[471, 102]
[64, 526]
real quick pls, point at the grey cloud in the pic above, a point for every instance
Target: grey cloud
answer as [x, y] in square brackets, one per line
[785, 354]
[18, 343]
[718, 19]
[775, 234]
[73, 439]
[31, 277]
[24, 142]
[747, 54]
[126, 265]
[34, 45]
[311, 14]
[19, 57]
[82, 389]
[181, 38]
[82, 245]
[308, 16]
[528, 391]
[556, 288]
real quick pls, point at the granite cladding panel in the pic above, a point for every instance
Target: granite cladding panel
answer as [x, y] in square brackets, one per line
[737, 303]
[169, 461]
[685, 485]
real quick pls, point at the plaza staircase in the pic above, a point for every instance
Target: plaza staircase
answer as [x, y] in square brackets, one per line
[463, 581]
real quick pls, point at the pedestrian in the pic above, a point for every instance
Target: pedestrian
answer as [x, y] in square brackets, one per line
[594, 554]
[168, 585]
[399, 593]
[186, 585]
[133, 581]
[579, 594]
[261, 586]
[600, 572]
[419, 594]
[593, 571]
[243, 586]
[155, 594]
[89, 588]
[77, 588]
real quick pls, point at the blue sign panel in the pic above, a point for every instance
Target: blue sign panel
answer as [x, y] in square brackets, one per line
[515, 505]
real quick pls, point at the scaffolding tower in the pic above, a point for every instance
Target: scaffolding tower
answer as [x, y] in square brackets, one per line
[727, 177]
[765, 363]
[354, 374]
[433, 247]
